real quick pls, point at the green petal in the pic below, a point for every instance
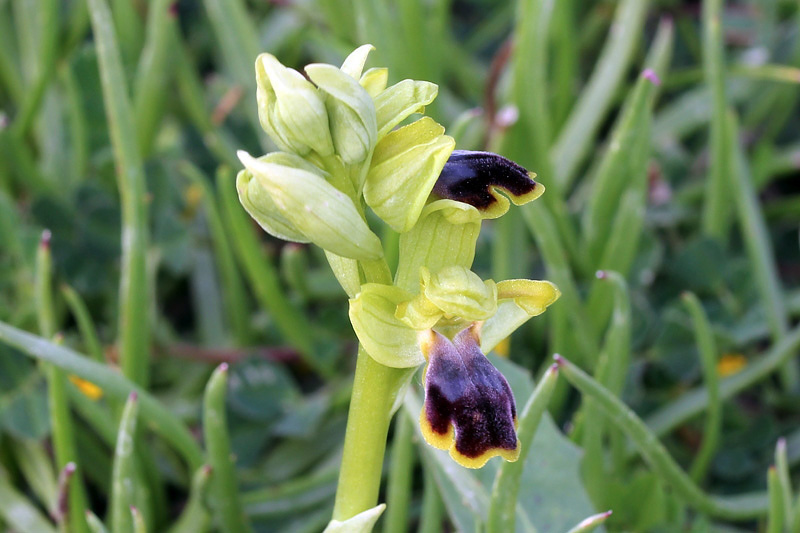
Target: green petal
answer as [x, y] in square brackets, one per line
[404, 168]
[518, 301]
[374, 80]
[445, 235]
[385, 338]
[258, 204]
[325, 215]
[399, 101]
[350, 110]
[459, 292]
[291, 109]
[354, 64]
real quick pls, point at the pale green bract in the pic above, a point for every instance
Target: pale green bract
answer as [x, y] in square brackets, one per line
[361, 523]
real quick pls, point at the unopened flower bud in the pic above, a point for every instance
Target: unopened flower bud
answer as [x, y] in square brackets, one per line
[315, 208]
[291, 110]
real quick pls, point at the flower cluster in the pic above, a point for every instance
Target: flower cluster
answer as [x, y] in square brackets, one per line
[341, 150]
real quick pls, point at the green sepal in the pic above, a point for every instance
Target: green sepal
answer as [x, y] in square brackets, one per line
[518, 301]
[385, 338]
[363, 522]
[353, 65]
[291, 110]
[374, 80]
[257, 202]
[445, 235]
[316, 209]
[401, 100]
[404, 168]
[351, 112]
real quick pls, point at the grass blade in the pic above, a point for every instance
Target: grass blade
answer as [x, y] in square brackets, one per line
[503, 504]
[759, 249]
[158, 418]
[574, 140]
[123, 478]
[227, 505]
[134, 327]
[398, 489]
[743, 507]
[707, 347]
[716, 210]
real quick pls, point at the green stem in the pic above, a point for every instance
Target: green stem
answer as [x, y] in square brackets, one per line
[375, 390]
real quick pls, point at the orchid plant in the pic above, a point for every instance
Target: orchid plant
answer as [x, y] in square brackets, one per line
[341, 151]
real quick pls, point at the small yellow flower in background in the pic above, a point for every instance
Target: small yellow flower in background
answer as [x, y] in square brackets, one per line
[730, 363]
[89, 389]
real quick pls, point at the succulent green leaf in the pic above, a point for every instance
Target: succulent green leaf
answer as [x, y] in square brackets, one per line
[404, 168]
[361, 523]
[291, 110]
[350, 110]
[518, 301]
[445, 235]
[385, 338]
[353, 65]
[326, 216]
[374, 81]
[398, 102]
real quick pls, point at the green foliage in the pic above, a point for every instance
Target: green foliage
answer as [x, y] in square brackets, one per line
[119, 124]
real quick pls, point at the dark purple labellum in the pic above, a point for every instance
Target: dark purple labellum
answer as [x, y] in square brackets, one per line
[469, 407]
[471, 177]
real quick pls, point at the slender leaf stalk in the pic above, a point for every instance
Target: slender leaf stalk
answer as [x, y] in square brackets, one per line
[401, 469]
[153, 74]
[61, 417]
[575, 139]
[158, 417]
[227, 505]
[776, 511]
[432, 512]
[707, 348]
[505, 491]
[716, 210]
[784, 481]
[743, 507]
[95, 524]
[18, 512]
[196, 516]
[123, 477]
[760, 250]
[85, 323]
[134, 326]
